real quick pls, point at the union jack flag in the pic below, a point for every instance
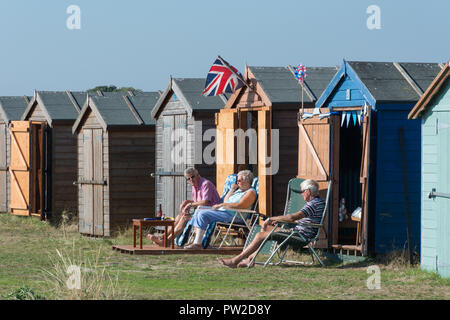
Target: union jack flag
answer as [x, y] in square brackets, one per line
[300, 73]
[221, 79]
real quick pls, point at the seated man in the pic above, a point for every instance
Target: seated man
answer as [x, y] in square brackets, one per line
[310, 213]
[240, 196]
[204, 193]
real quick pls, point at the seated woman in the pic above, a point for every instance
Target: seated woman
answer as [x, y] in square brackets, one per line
[240, 196]
[203, 193]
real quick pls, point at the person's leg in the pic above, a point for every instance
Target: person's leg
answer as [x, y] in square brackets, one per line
[159, 239]
[247, 253]
[200, 221]
[180, 224]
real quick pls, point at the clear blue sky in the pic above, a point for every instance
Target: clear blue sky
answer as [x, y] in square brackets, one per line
[140, 43]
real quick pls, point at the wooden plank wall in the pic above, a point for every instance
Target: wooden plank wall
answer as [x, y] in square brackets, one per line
[64, 169]
[390, 206]
[36, 114]
[435, 218]
[286, 122]
[207, 171]
[64, 164]
[3, 167]
[132, 189]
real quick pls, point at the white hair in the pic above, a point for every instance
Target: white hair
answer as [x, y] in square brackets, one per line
[247, 175]
[191, 172]
[312, 185]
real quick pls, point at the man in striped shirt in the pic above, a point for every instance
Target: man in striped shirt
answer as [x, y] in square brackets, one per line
[311, 213]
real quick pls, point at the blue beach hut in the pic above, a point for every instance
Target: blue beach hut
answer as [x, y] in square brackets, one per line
[371, 153]
[433, 109]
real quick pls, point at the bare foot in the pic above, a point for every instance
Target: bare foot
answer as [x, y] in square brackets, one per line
[193, 246]
[157, 240]
[245, 264]
[226, 262]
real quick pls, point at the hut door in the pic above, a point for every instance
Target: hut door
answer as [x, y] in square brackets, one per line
[226, 124]
[37, 169]
[314, 158]
[364, 179]
[174, 162]
[92, 183]
[168, 205]
[20, 168]
[179, 155]
[3, 168]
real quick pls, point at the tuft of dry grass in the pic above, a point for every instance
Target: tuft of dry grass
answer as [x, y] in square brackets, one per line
[75, 276]
[397, 259]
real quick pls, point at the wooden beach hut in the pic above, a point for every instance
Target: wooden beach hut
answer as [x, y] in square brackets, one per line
[267, 114]
[433, 110]
[185, 130]
[11, 109]
[43, 161]
[371, 151]
[116, 154]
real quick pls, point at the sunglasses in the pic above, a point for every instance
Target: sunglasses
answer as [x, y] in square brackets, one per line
[190, 178]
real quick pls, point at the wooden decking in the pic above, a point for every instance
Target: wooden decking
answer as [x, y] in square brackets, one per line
[155, 250]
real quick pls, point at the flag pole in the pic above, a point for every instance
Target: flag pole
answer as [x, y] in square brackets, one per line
[302, 98]
[239, 77]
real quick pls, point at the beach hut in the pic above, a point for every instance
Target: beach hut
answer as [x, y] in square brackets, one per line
[185, 128]
[433, 109]
[116, 154]
[11, 108]
[370, 151]
[258, 128]
[43, 161]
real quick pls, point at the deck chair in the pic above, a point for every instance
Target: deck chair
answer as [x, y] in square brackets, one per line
[293, 239]
[222, 230]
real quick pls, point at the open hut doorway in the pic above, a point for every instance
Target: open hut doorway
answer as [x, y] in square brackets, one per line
[350, 168]
[244, 142]
[350, 149]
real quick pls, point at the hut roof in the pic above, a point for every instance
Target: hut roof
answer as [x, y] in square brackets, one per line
[386, 81]
[12, 108]
[66, 105]
[280, 85]
[56, 105]
[430, 92]
[120, 110]
[189, 90]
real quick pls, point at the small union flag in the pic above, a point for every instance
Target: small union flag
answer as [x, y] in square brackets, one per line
[222, 78]
[300, 73]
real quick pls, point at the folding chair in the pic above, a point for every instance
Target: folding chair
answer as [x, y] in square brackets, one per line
[293, 239]
[249, 217]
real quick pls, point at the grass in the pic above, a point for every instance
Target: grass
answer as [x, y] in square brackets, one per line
[35, 255]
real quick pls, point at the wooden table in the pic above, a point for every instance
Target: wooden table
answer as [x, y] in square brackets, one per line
[140, 223]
